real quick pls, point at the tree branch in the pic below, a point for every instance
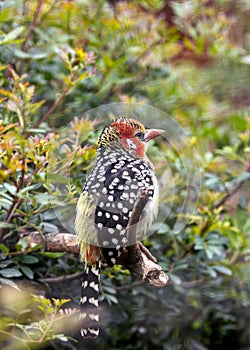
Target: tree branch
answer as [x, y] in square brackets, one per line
[135, 259]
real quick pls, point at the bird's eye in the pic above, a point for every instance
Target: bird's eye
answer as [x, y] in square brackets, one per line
[139, 135]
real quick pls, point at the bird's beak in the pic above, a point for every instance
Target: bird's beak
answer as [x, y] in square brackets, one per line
[152, 133]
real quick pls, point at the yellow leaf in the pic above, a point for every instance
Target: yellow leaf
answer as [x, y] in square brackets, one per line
[6, 93]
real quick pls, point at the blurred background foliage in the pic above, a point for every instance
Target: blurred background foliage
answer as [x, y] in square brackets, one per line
[60, 58]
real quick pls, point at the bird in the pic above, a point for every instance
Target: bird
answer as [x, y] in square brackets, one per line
[121, 170]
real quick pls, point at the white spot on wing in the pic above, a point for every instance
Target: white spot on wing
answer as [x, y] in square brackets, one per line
[115, 217]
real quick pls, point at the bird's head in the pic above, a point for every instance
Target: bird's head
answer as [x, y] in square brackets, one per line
[129, 133]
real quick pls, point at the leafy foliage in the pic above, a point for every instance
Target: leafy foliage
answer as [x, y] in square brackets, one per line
[48, 318]
[59, 59]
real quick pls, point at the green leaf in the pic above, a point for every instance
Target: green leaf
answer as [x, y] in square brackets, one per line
[6, 195]
[163, 229]
[109, 290]
[243, 177]
[43, 198]
[223, 269]
[4, 14]
[209, 253]
[181, 265]
[27, 272]
[5, 263]
[22, 244]
[48, 227]
[4, 248]
[10, 188]
[55, 178]
[211, 272]
[11, 272]
[40, 131]
[62, 337]
[21, 54]
[199, 243]
[5, 203]
[27, 259]
[11, 36]
[52, 255]
[9, 282]
[33, 54]
[195, 345]
[175, 279]
[111, 299]
[30, 188]
[6, 225]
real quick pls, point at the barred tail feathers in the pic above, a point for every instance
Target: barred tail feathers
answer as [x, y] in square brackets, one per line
[89, 312]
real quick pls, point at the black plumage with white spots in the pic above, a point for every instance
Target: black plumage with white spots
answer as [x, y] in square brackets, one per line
[114, 183]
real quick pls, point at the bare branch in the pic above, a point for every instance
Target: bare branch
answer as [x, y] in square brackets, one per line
[134, 259]
[62, 279]
[54, 242]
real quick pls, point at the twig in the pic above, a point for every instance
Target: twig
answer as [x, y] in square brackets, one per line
[130, 285]
[52, 108]
[34, 24]
[195, 283]
[62, 279]
[147, 252]
[136, 216]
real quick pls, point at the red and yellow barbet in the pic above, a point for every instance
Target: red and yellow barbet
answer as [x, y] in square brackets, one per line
[106, 204]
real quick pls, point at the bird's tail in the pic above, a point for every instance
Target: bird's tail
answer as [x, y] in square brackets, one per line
[89, 311]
